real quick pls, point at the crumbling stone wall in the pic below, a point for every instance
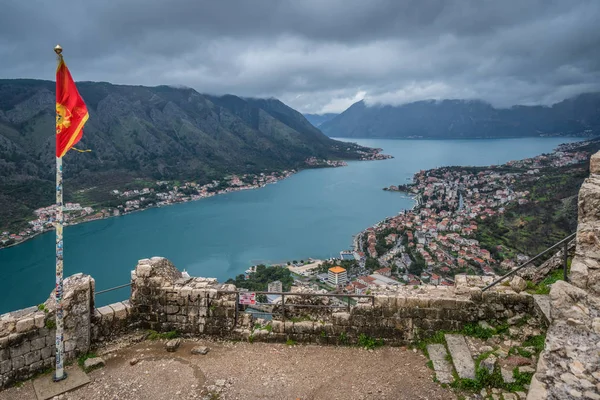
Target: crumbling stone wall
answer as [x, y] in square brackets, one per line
[111, 321]
[569, 366]
[398, 317]
[27, 337]
[163, 300]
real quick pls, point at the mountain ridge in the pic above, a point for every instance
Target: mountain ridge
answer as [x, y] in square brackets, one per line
[318, 119]
[152, 133]
[459, 119]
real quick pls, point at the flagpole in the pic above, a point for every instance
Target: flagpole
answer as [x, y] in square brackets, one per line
[60, 373]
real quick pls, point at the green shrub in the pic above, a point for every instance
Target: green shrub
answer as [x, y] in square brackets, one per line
[153, 335]
[368, 342]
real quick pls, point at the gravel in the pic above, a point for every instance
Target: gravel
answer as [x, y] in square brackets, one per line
[256, 371]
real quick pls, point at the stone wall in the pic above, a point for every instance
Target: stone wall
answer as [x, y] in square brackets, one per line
[163, 299]
[27, 337]
[569, 367]
[398, 317]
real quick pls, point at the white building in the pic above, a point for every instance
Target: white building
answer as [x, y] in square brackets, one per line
[337, 276]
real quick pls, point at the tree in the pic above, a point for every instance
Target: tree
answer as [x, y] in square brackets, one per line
[372, 264]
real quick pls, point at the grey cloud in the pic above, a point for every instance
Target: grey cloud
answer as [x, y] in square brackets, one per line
[316, 55]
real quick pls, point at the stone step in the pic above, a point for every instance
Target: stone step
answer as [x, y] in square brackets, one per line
[461, 356]
[442, 367]
[543, 307]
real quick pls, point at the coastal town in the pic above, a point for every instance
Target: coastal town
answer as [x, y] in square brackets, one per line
[436, 240]
[159, 194]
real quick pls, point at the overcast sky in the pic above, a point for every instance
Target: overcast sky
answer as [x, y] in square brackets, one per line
[316, 55]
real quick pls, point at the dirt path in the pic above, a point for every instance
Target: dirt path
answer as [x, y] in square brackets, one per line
[256, 371]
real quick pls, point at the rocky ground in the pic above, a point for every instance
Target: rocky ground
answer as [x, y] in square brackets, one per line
[500, 358]
[254, 371]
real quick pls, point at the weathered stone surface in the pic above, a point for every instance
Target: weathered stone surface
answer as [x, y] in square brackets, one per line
[569, 361]
[461, 356]
[93, 362]
[507, 375]
[595, 164]
[443, 368]
[25, 325]
[200, 350]
[173, 344]
[518, 284]
[489, 363]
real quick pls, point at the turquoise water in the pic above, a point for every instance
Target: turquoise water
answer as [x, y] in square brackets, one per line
[312, 214]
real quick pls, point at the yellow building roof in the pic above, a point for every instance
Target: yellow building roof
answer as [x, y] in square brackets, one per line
[337, 269]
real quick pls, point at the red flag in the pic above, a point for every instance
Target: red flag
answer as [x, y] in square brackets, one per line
[71, 111]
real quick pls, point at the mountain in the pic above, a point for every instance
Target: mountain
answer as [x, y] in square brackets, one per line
[151, 133]
[318, 119]
[467, 119]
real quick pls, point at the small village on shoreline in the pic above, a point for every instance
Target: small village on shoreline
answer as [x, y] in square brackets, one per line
[160, 194]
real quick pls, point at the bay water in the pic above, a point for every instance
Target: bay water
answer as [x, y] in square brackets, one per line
[314, 213]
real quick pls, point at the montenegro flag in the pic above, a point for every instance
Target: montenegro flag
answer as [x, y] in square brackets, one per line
[71, 111]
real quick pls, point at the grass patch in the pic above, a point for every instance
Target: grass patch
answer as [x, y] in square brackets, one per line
[368, 342]
[537, 342]
[437, 337]
[476, 330]
[290, 342]
[544, 286]
[153, 335]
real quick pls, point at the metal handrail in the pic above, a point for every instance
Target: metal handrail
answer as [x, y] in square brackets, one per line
[113, 288]
[564, 242]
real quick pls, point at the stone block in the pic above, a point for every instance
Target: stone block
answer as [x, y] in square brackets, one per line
[25, 324]
[173, 344]
[23, 348]
[47, 352]
[18, 362]
[107, 314]
[341, 318]
[448, 303]
[288, 327]
[518, 284]
[94, 362]
[5, 366]
[143, 270]
[595, 164]
[278, 326]
[32, 357]
[36, 366]
[70, 345]
[417, 302]
[39, 320]
[400, 301]
[382, 300]
[38, 343]
[3, 342]
[120, 311]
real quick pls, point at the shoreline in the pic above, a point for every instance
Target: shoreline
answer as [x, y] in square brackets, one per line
[374, 156]
[33, 236]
